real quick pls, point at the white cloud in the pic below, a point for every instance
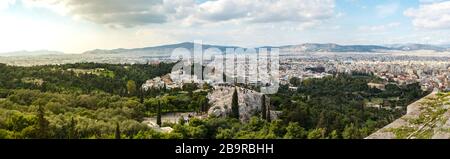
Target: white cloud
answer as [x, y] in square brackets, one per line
[431, 15]
[142, 12]
[430, 1]
[110, 12]
[379, 28]
[385, 10]
[5, 3]
[263, 11]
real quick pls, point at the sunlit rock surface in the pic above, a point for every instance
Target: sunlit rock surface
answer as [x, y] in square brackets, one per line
[249, 102]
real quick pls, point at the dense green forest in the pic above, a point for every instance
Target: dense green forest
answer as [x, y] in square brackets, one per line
[86, 100]
[81, 77]
[341, 105]
[89, 100]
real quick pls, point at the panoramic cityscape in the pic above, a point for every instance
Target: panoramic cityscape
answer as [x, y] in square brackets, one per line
[225, 69]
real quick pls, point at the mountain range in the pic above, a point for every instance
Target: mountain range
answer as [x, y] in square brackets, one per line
[307, 47]
[157, 50]
[31, 53]
[165, 50]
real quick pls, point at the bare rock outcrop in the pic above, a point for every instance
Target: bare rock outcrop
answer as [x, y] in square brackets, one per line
[249, 102]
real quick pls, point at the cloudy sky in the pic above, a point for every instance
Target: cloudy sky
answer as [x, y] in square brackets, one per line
[74, 26]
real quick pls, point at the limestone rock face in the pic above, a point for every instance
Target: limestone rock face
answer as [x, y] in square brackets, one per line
[220, 99]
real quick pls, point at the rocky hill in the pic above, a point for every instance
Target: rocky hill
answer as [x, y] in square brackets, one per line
[249, 102]
[428, 118]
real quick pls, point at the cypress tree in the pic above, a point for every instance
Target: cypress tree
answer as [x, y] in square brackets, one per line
[164, 88]
[224, 77]
[268, 118]
[117, 133]
[263, 107]
[158, 115]
[141, 96]
[42, 124]
[235, 105]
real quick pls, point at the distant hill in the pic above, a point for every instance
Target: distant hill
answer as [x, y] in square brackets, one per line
[302, 47]
[31, 53]
[312, 47]
[163, 50]
[447, 46]
[415, 47]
